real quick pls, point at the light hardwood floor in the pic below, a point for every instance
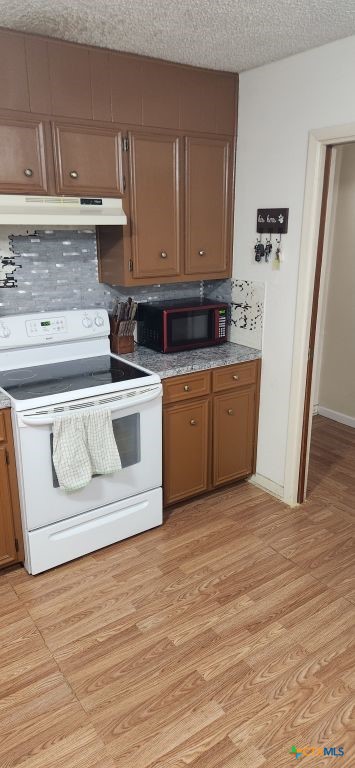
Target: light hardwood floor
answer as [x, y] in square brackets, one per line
[217, 641]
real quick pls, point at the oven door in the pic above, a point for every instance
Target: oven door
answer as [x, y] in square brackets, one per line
[137, 426]
[186, 329]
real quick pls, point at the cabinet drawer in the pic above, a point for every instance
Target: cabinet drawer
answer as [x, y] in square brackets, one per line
[3, 437]
[185, 387]
[234, 376]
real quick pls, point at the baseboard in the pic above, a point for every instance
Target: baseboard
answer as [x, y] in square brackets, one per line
[342, 418]
[315, 410]
[267, 485]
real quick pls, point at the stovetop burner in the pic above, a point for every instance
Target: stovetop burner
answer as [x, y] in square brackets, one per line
[67, 376]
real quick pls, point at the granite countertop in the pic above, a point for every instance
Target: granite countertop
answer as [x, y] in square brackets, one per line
[4, 401]
[177, 363]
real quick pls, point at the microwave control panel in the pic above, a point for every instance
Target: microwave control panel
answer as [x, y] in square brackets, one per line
[221, 323]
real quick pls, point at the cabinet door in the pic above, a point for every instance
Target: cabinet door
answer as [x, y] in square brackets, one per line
[233, 435]
[88, 160]
[185, 450]
[208, 200]
[155, 204]
[8, 552]
[22, 157]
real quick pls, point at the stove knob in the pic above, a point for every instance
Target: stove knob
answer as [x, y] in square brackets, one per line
[99, 320]
[87, 322]
[4, 331]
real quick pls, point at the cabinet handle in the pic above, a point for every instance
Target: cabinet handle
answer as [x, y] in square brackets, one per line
[187, 388]
[235, 377]
[28, 172]
[202, 253]
[73, 174]
[193, 422]
[163, 255]
[230, 412]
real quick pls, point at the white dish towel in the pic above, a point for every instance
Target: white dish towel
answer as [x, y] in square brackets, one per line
[84, 445]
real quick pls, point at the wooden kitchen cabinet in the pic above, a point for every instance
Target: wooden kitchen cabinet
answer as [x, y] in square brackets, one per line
[155, 204]
[157, 250]
[208, 206]
[11, 545]
[233, 435]
[220, 446]
[186, 450]
[22, 157]
[88, 160]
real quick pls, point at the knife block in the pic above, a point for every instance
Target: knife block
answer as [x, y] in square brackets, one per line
[121, 345]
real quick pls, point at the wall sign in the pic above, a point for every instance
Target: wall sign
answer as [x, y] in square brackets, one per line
[272, 221]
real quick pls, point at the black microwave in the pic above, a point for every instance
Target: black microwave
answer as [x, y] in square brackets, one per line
[173, 326]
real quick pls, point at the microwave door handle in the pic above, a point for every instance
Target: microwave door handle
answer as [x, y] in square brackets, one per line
[130, 402]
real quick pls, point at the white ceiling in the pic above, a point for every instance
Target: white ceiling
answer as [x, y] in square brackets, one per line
[224, 34]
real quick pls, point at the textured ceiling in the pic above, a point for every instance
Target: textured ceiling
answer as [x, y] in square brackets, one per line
[223, 34]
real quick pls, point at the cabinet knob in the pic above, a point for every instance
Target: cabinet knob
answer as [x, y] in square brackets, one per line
[230, 412]
[187, 388]
[235, 377]
[28, 172]
[193, 422]
[163, 255]
[73, 174]
[202, 252]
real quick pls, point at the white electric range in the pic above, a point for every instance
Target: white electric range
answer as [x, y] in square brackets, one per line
[59, 363]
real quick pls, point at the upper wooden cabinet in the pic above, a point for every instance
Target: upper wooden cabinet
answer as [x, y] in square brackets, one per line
[208, 202]
[155, 204]
[88, 160]
[64, 79]
[14, 91]
[69, 68]
[22, 157]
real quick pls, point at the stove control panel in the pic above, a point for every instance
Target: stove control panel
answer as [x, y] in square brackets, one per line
[33, 330]
[46, 327]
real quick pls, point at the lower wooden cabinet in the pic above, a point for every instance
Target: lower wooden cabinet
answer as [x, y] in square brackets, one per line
[233, 435]
[11, 545]
[186, 449]
[209, 440]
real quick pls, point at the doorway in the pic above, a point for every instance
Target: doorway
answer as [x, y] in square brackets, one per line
[327, 455]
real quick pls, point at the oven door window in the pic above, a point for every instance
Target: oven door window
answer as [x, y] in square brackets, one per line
[126, 430]
[189, 327]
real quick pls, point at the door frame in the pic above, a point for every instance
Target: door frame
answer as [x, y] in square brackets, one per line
[311, 253]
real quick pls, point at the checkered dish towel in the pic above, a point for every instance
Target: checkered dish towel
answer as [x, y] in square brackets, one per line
[84, 445]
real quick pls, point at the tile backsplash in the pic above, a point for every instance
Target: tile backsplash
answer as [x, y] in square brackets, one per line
[50, 270]
[247, 312]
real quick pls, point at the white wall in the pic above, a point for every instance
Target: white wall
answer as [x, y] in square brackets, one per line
[279, 104]
[337, 366]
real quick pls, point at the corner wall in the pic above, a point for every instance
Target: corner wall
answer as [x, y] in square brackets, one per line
[279, 104]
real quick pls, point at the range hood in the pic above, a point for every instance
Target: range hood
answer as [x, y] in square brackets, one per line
[65, 211]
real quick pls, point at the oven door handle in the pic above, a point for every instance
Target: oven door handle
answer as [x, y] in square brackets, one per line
[33, 420]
